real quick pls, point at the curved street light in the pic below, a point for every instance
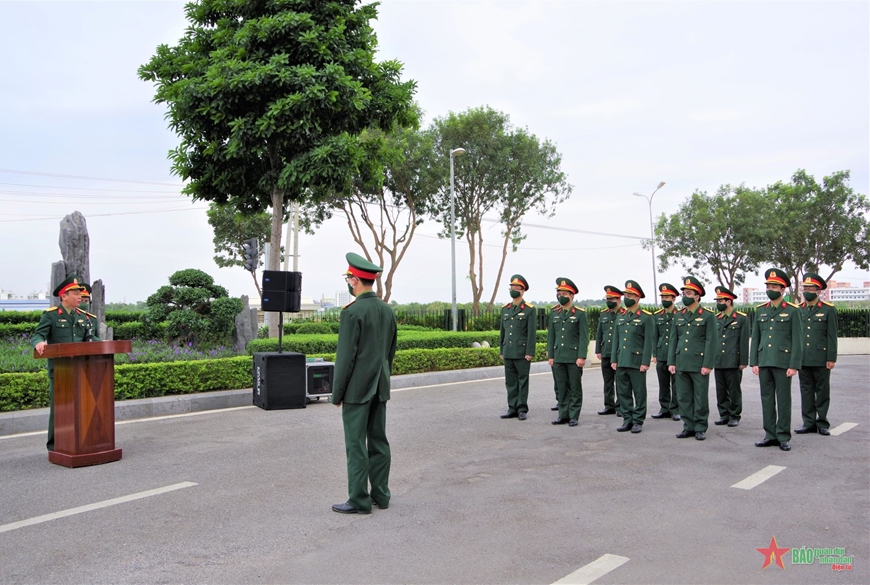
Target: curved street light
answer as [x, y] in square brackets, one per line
[454, 152]
[652, 239]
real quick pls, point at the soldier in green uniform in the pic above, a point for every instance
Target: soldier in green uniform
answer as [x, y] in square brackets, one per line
[363, 362]
[732, 357]
[517, 335]
[820, 356]
[634, 338]
[776, 356]
[604, 344]
[64, 324]
[567, 345]
[691, 357]
[86, 298]
[664, 319]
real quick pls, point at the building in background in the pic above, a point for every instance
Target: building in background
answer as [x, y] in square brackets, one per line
[837, 291]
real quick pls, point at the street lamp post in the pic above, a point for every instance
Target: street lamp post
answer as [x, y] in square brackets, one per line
[456, 152]
[652, 239]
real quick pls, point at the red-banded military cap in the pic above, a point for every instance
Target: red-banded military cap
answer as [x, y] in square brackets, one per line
[611, 291]
[633, 287]
[86, 291]
[668, 289]
[813, 279]
[71, 283]
[361, 268]
[517, 279]
[724, 293]
[566, 284]
[692, 283]
[776, 276]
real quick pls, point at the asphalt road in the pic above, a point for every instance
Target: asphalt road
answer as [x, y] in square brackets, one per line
[476, 499]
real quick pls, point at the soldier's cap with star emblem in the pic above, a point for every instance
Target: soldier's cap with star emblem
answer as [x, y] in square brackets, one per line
[517, 279]
[633, 287]
[776, 276]
[724, 293]
[86, 291]
[566, 284]
[611, 291]
[361, 268]
[813, 279]
[692, 283]
[666, 288]
[71, 283]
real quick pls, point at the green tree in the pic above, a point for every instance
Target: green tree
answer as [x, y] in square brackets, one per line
[718, 233]
[505, 170]
[231, 229]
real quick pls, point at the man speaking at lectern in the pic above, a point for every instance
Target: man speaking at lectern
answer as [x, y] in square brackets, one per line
[64, 324]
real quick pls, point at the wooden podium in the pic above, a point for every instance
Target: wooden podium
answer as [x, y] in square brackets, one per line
[84, 401]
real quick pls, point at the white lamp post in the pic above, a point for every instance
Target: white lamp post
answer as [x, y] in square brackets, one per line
[454, 152]
[652, 239]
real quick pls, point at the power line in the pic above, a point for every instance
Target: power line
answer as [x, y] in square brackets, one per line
[38, 174]
[108, 214]
[88, 188]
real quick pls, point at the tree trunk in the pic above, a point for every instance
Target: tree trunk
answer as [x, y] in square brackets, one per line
[504, 252]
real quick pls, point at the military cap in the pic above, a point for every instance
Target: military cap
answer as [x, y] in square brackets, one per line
[692, 283]
[361, 268]
[612, 291]
[71, 283]
[776, 276]
[566, 284]
[86, 291]
[519, 280]
[724, 293]
[633, 287]
[668, 289]
[813, 279]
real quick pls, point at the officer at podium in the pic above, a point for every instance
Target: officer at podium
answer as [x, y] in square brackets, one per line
[363, 362]
[64, 324]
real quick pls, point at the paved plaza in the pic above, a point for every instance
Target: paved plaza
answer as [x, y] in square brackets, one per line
[243, 496]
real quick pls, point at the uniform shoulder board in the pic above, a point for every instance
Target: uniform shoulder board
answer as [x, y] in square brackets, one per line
[347, 305]
[52, 309]
[506, 306]
[529, 305]
[739, 313]
[761, 305]
[659, 311]
[89, 314]
[792, 304]
[827, 304]
[580, 309]
[646, 312]
[556, 306]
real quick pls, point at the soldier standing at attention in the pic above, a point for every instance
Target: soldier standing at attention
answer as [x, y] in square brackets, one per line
[363, 362]
[732, 357]
[691, 357]
[567, 344]
[820, 356]
[517, 335]
[604, 345]
[776, 356]
[664, 320]
[633, 345]
[64, 324]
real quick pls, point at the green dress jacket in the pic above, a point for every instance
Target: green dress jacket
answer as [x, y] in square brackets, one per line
[604, 331]
[366, 348]
[517, 332]
[567, 334]
[820, 337]
[634, 337]
[693, 340]
[733, 346]
[664, 321]
[776, 336]
[57, 325]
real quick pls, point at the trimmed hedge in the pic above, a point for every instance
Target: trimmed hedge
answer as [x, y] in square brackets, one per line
[12, 317]
[8, 330]
[311, 344]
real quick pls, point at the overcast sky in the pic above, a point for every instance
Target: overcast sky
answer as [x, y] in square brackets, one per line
[696, 94]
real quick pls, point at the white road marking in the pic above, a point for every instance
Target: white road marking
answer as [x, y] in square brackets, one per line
[758, 477]
[477, 381]
[96, 506]
[594, 570]
[843, 428]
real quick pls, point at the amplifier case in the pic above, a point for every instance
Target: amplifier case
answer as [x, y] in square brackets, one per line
[319, 376]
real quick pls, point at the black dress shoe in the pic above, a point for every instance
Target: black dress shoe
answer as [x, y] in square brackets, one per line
[804, 430]
[767, 443]
[686, 434]
[824, 431]
[721, 421]
[636, 428]
[607, 411]
[662, 415]
[700, 436]
[521, 416]
[509, 414]
[675, 417]
[784, 446]
[560, 421]
[733, 422]
[555, 407]
[572, 422]
[346, 508]
[626, 426]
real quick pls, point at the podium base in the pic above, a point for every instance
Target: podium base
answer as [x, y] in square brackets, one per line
[69, 460]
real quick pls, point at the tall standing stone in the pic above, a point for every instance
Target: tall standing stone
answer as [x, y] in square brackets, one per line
[75, 246]
[243, 329]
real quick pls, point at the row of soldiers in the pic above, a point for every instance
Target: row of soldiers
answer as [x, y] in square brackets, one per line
[685, 346]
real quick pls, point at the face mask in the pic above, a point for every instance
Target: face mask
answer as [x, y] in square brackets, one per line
[721, 307]
[350, 290]
[810, 297]
[667, 304]
[773, 294]
[515, 294]
[629, 302]
[688, 301]
[563, 300]
[612, 304]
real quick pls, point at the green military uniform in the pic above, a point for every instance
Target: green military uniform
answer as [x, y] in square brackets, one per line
[692, 347]
[568, 342]
[776, 348]
[62, 325]
[732, 357]
[363, 362]
[604, 344]
[820, 350]
[633, 344]
[86, 297]
[517, 335]
[664, 320]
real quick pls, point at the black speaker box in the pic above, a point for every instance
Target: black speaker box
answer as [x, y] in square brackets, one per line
[282, 281]
[279, 380]
[287, 301]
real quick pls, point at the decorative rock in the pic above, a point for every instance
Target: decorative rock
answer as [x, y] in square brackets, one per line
[98, 301]
[255, 325]
[58, 275]
[242, 331]
[484, 344]
[75, 245]
[475, 344]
